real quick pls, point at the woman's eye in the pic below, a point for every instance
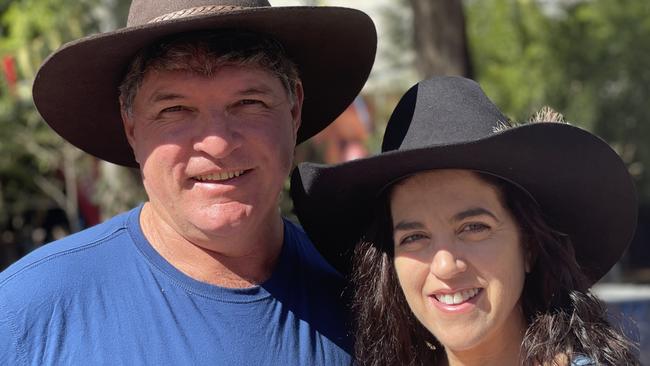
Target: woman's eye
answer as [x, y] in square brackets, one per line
[412, 238]
[474, 227]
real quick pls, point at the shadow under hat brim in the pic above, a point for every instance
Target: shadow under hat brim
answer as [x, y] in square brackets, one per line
[581, 185]
[76, 88]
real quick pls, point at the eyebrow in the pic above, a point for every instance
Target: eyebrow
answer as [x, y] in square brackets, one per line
[166, 96]
[260, 89]
[474, 211]
[163, 96]
[408, 225]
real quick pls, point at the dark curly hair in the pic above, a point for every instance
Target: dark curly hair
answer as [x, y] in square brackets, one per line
[563, 318]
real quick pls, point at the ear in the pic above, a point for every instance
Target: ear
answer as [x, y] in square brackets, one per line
[296, 110]
[528, 260]
[129, 126]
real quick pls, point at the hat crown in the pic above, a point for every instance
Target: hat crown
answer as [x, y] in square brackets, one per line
[145, 11]
[461, 112]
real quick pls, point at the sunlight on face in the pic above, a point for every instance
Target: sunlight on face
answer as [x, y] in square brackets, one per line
[214, 151]
[459, 259]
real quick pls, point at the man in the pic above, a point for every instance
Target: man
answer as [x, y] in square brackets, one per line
[208, 99]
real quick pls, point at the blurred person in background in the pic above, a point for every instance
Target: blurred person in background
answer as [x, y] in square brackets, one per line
[345, 139]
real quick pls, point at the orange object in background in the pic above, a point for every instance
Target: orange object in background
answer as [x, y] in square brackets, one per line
[9, 70]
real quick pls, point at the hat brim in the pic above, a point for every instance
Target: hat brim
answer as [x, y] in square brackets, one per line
[76, 88]
[581, 185]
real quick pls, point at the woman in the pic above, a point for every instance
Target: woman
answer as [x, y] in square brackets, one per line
[475, 242]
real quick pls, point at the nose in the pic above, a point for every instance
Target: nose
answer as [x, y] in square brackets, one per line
[447, 263]
[217, 137]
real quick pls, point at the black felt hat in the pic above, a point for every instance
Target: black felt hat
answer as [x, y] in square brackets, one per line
[581, 185]
[76, 88]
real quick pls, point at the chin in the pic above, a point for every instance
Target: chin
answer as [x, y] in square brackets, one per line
[459, 345]
[458, 341]
[222, 226]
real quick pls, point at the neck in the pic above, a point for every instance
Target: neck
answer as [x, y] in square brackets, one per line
[502, 348]
[214, 261]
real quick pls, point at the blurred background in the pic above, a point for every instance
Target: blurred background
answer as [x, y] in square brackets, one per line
[588, 59]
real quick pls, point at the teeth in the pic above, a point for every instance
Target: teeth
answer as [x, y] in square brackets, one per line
[458, 297]
[219, 176]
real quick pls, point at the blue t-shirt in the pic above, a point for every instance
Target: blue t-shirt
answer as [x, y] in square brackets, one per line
[104, 296]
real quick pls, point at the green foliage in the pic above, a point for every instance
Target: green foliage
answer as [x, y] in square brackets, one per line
[398, 19]
[31, 30]
[36, 165]
[609, 59]
[587, 59]
[508, 46]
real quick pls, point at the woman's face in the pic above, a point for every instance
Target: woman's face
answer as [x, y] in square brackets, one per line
[459, 260]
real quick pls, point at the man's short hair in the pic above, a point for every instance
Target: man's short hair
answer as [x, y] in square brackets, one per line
[203, 53]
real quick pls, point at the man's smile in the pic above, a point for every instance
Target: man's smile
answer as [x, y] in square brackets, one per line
[219, 176]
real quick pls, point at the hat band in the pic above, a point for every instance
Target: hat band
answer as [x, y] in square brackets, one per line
[196, 11]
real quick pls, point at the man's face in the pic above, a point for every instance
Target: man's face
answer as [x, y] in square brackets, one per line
[214, 151]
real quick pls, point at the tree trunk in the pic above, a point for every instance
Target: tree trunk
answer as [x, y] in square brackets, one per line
[439, 38]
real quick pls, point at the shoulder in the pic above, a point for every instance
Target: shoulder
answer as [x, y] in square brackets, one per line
[311, 275]
[317, 292]
[52, 264]
[313, 260]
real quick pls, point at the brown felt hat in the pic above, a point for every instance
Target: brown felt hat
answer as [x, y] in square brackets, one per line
[581, 185]
[76, 88]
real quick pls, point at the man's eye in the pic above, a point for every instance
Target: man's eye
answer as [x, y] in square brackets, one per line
[250, 102]
[176, 108]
